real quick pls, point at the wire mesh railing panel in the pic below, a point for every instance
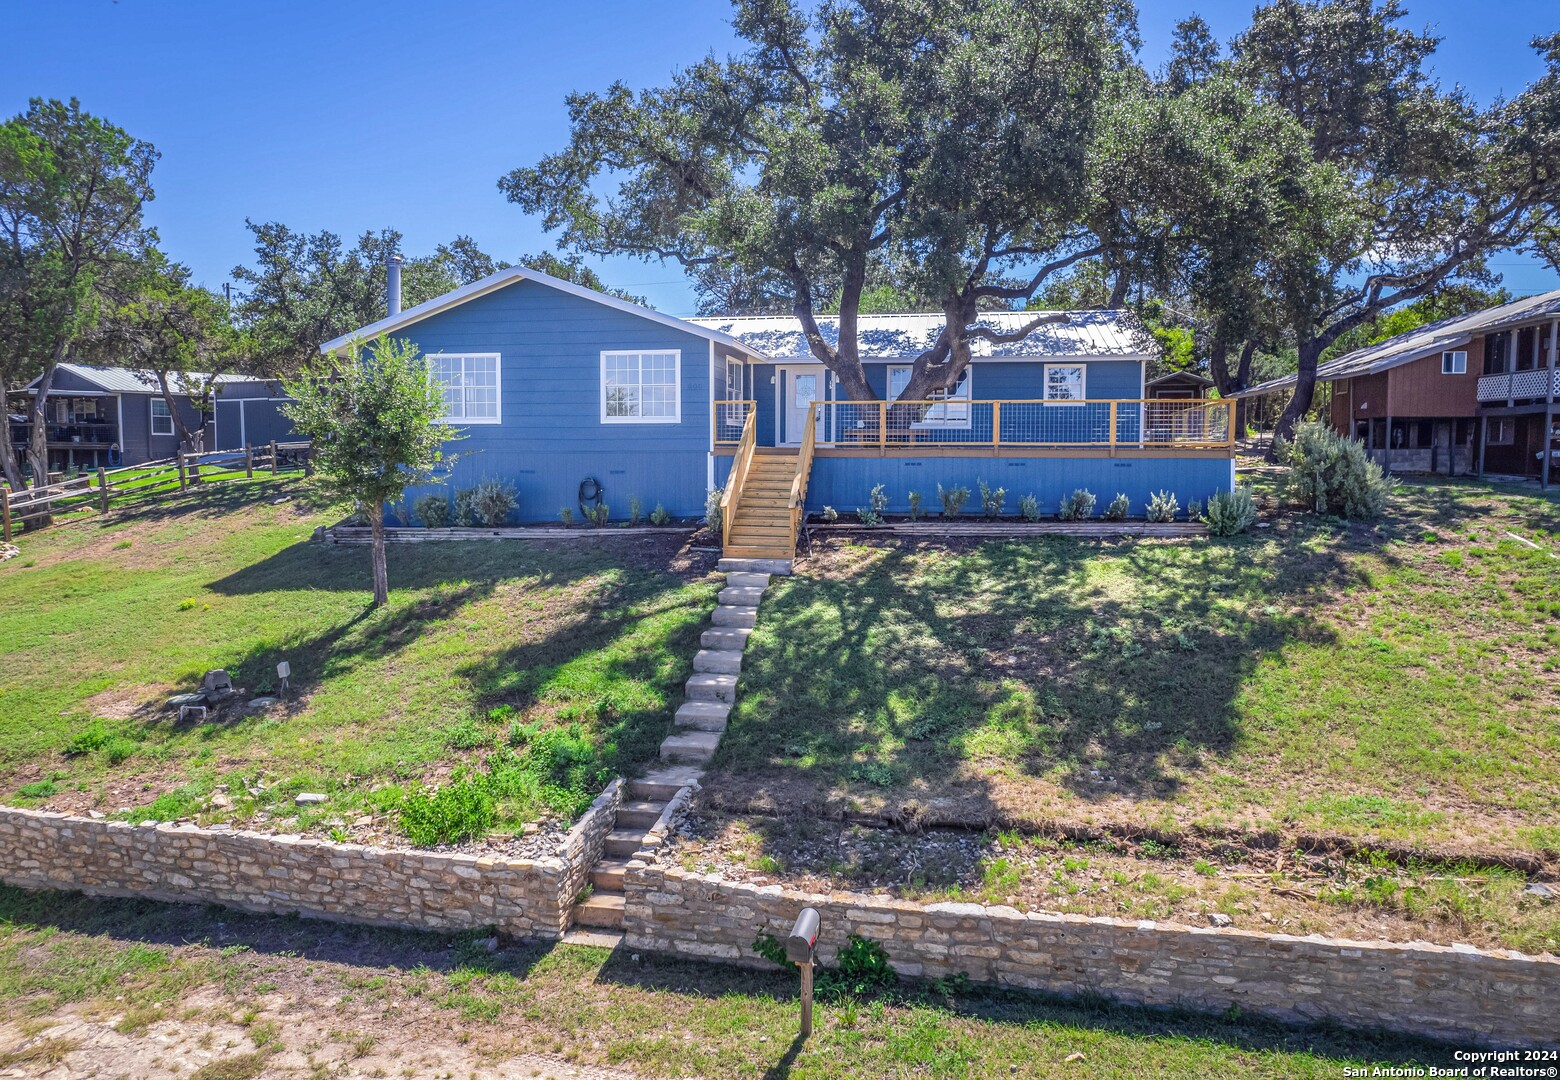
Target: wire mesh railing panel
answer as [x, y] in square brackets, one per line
[730, 416]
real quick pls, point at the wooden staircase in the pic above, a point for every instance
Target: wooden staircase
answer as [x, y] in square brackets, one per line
[763, 526]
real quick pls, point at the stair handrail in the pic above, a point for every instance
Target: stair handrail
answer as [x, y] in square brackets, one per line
[804, 459]
[741, 464]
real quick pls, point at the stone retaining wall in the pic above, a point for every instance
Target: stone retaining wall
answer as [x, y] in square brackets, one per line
[1450, 992]
[584, 845]
[287, 874]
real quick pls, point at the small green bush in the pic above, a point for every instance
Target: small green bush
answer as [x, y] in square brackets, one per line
[1029, 508]
[566, 515]
[991, 501]
[39, 789]
[462, 810]
[599, 514]
[433, 511]
[1162, 506]
[492, 502]
[829, 515]
[1079, 506]
[660, 516]
[92, 737]
[861, 969]
[1194, 510]
[467, 735]
[1119, 508]
[120, 749]
[915, 506]
[636, 509]
[952, 499]
[1332, 474]
[770, 948]
[465, 514]
[877, 502]
[1231, 512]
[712, 508]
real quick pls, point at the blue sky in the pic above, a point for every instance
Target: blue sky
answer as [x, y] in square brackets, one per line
[349, 114]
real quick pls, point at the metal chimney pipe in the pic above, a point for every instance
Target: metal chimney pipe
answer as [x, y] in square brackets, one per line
[393, 284]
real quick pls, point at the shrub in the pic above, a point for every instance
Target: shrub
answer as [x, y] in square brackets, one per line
[991, 501]
[566, 515]
[599, 514]
[1194, 510]
[830, 515]
[861, 968]
[492, 501]
[120, 749]
[458, 811]
[712, 508]
[433, 511]
[1029, 508]
[1162, 506]
[636, 510]
[466, 507]
[877, 502]
[92, 737]
[1078, 506]
[1119, 508]
[659, 515]
[915, 506]
[952, 499]
[1332, 474]
[1231, 512]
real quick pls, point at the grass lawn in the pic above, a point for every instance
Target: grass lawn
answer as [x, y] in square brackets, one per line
[146, 989]
[546, 666]
[1397, 682]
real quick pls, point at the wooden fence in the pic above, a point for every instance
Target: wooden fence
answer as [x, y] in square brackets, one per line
[147, 482]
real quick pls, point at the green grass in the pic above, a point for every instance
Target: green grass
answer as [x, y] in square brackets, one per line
[656, 1016]
[1316, 676]
[485, 649]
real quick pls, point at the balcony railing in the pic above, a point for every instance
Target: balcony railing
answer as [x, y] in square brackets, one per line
[1534, 383]
[1008, 424]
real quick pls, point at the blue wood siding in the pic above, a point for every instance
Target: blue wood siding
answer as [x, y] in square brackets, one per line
[551, 436]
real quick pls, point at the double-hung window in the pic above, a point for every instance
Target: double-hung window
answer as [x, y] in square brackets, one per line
[1454, 363]
[162, 419]
[470, 382]
[1065, 382]
[952, 410]
[641, 387]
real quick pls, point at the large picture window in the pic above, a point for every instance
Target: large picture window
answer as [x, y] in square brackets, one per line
[471, 386]
[162, 419]
[641, 387]
[1065, 382]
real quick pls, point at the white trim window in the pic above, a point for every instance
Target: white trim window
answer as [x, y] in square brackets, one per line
[472, 385]
[1454, 363]
[162, 419]
[956, 413]
[641, 387]
[736, 390]
[1066, 383]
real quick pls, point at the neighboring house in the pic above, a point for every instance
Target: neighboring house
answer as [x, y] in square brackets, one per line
[1178, 384]
[109, 416]
[552, 384]
[1472, 393]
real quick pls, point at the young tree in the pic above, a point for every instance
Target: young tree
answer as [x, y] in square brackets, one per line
[374, 420]
[72, 187]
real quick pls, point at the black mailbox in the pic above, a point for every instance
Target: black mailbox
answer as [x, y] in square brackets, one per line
[804, 936]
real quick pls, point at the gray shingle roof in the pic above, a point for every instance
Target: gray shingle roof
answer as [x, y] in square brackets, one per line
[895, 337]
[118, 380]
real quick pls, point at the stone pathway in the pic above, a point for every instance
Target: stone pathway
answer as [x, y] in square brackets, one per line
[700, 720]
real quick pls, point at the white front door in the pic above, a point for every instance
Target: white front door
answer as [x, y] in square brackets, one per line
[798, 388]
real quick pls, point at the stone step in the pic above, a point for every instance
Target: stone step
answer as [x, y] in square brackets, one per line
[741, 597]
[689, 748]
[607, 875]
[665, 782]
[600, 909]
[726, 637]
[744, 617]
[639, 814]
[593, 939]
[623, 841]
[742, 579]
[709, 687]
[739, 565]
[718, 661]
[702, 715]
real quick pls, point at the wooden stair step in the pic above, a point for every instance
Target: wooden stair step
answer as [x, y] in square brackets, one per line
[771, 553]
[600, 909]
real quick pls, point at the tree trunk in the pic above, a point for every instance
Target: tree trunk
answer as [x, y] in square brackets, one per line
[186, 437]
[38, 445]
[10, 465]
[376, 522]
[1305, 392]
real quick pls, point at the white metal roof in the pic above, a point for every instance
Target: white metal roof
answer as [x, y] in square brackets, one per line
[509, 276]
[893, 337]
[1430, 339]
[121, 380]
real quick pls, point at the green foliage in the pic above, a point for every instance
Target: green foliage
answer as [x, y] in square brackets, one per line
[877, 502]
[433, 510]
[92, 737]
[636, 509]
[712, 510]
[1079, 506]
[952, 499]
[1194, 510]
[492, 501]
[1231, 512]
[860, 969]
[566, 515]
[1120, 507]
[467, 735]
[991, 501]
[915, 506]
[829, 515]
[119, 749]
[466, 507]
[1029, 508]
[772, 949]
[1162, 506]
[458, 811]
[599, 514]
[660, 515]
[39, 789]
[1332, 474]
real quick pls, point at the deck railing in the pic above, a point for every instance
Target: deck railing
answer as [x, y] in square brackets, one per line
[741, 465]
[727, 420]
[1184, 423]
[1530, 384]
[804, 460]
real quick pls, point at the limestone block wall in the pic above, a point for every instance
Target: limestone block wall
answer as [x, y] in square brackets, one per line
[583, 847]
[1454, 992]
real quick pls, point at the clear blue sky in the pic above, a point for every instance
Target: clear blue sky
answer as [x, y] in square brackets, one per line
[350, 114]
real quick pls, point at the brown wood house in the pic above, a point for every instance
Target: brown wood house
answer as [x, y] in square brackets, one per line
[1471, 394]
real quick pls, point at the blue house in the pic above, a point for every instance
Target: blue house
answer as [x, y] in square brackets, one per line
[552, 384]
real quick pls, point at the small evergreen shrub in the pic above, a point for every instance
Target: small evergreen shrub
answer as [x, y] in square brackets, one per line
[1332, 474]
[1194, 510]
[1231, 512]
[493, 501]
[599, 514]
[1079, 506]
[636, 510]
[1119, 508]
[466, 507]
[1029, 508]
[659, 515]
[915, 506]
[433, 511]
[566, 515]
[712, 508]
[877, 502]
[991, 501]
[830, 515]
[861, 969]
[1162, 506]
[952, 499]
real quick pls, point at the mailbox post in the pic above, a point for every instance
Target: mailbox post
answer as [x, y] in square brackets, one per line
[799, 949]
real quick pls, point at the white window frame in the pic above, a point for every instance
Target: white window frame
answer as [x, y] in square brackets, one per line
[498, 385]
[1083, 384]
[955, 414]
[1454, 362]
[734, 413]
[675, 418]
[167, 416]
